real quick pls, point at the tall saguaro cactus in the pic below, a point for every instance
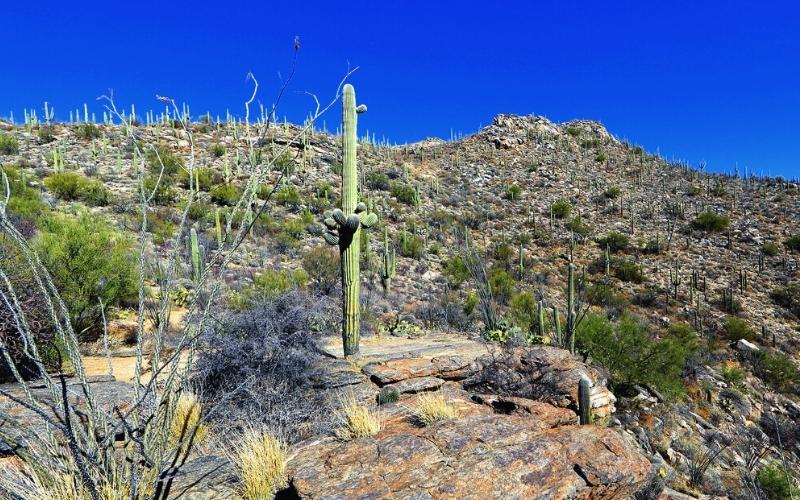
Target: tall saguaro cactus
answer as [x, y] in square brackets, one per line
[344, 225]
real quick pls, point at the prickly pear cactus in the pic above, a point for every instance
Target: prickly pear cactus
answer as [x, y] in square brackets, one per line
[343, 224]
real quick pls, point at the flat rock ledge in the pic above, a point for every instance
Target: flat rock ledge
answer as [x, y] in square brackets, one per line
[481, 456]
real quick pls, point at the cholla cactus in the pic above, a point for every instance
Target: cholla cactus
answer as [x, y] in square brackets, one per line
[344, 225]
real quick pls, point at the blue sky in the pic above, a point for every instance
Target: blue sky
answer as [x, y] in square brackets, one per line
[701, 81]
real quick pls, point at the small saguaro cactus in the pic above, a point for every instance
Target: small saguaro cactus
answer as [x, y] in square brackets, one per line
[389, 263]
[584, 401]
[195, 249]
[571, 314]
[344, 225]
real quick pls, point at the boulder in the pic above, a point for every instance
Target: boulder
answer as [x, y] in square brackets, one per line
[388, 372]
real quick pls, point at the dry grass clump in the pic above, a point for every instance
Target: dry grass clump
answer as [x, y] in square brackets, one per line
[432, 407]
[357, 419]
[59, 482]
[187, 417]
[261, 459]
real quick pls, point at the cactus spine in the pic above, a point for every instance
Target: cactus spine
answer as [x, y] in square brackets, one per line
[584, 401]
[344, 225]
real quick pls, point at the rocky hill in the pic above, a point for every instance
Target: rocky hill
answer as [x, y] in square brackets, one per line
[687, 285]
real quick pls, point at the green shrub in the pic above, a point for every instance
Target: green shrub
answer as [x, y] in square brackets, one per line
[412, 246]
[626, 350]
[288, 195]
[163, 155]
[455, 271]
[88, 260]
[404, 193]
[71, 186]
[24, 202]
[217, 150]
[778, 370]
[377, 180]
[322, 266]
[87, 131]
[503, 253]
[612, 193]
[470, 303]
[574, 131]
[601, 294]
[46, 133]
[616, 241]
[225, 194]
[8, 145]
[577, 226]
[770, 249]
[512, 192]
[502, 284]
[165, 194]
[788, 297]
[793, 243]
[736, 329]
[630, 271]
[524, 309]
[732, 375]
[711, 222]
[601, 157]
[267, 285]
[777, 483]
[206, 177]
[561, 209]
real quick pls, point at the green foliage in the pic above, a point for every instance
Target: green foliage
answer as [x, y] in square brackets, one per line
[561, 209]
[267, 285]
[88, 131]
[404, 193]
[287, 195]
[225, 194]
[616, 242]
[46, 134]
[793, 243]
[503, 253]
[165, 194]
[601, 294]
[322, 266]
[736, 329]
[88, 260]
[217, 150]
[512, 192]
[778, 370]
[770, 249]
[627, 270]
[25, 202]
[205, 177]
[377, 180]
[574, 131]
[612, 193]
[388, 395]
[788, 297]
[777, 483]
[577, 226]
[163, 155]
[632, 357]
[455, 271]
[71, 186]
[502, 284]
[471, 303]
[601, 157]
[8, 145]
[711, 222]
[732, 375]
[412, 246]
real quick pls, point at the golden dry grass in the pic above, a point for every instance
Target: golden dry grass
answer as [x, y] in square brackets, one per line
[432, 407]
[357, 419]
[188, 415]
[260, 458]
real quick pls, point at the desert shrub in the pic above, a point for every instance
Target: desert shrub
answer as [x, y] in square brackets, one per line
[561, 209]
[71, 186]
[322, 266]
[89, 261]
[777, 370]
[793, 243]
[601, 157]
[87, 131]
[24, 202]
[205, 177]
[524, 311]
[788, 297]
[503, 253]
[412, 246]
[404, 193]
[377, 180]
[512, 192]
[577, 226]
[162, 155]
[627, 270]
[164, 193]
[8, 145]
[770, 249]
[259, 366]
[502, 284]
[225, 194]
[736, 329]
[266, 286]
[601, 294]
[455, 271]
[612, 193]
[573, 131]
[217, 150]
[616, 242]
[776, 482]
[711, 222]
[260, 459]
[732, 374]
[632, 357]
[287, 195]
[46, 133]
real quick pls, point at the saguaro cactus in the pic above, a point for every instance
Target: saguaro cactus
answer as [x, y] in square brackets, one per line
[344, 225]
[195, 249]
[584, 401]
[389, 263]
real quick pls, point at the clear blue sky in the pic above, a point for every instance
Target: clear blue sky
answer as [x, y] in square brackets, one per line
[713, 81]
